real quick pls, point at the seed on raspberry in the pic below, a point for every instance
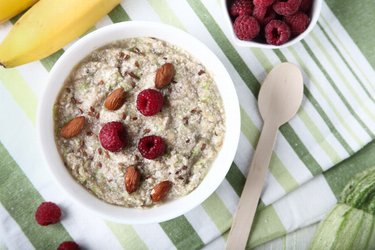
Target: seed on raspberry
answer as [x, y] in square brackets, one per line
[246, 27]
[113, 136]
[286, 8]
[259, 12]
[277, 32]
[151, 146]
[305, 5]
[68, 245]
[264, 3]
[47, 213]
[298, 22]
[150, 102]
[241, 7]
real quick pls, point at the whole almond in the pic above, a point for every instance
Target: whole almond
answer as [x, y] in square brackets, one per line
[115, 100]
[160, 191]
[73, 127]
[164, 75]
[132, 179]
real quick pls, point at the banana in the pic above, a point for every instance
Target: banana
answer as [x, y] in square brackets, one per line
[10, 8]
[48, 26]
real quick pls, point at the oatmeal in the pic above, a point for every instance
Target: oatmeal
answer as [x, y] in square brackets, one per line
[163, 149]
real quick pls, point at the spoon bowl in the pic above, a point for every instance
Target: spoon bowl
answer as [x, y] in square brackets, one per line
[281, 94]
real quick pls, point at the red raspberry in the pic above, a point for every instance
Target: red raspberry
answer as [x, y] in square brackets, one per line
[286, 8]
[113, 136]
[151, 146]
[277, 32]
[264, 3]
[150, 102]
[246, 27]
[305, 5]
[241, 7]
[47, 213]
[298, 22]
[68, 245]
[259, 12]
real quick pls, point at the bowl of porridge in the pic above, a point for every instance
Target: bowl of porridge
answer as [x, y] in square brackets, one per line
[139, 122]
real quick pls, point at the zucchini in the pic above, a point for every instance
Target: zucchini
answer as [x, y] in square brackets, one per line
[351, 223]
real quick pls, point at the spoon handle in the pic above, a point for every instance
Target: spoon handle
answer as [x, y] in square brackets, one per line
[247, 206]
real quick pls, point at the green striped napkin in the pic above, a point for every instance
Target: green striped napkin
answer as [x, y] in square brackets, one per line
[336, 120]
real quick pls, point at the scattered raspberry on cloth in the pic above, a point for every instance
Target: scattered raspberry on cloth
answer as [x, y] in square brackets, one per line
[47, 213]
[68, 245]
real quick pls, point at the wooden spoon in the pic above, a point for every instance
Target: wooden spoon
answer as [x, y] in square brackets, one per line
[279, 99]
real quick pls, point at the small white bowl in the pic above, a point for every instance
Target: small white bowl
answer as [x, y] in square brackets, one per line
[315, 13]
[103, 36]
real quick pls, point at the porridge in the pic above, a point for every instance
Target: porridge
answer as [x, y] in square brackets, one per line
[138, 122]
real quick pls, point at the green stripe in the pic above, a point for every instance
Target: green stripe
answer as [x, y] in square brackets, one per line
[267, 226]
[348, 53]
[127, 236]
[358, 20]
[321, 90]
[49, 61]
[236, 179]
[338, 176]
[345, 61]
[278, 170]
[343, 78]
[250, 80]
[118, 14]
[22, 204]
[337, 90]
[320, 138]
[219, 214]
[20, 90]
[165, 13]
[181, 233]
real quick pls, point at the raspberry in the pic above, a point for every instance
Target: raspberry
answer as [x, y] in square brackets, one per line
[68, 245]
[241, 7]
[113, 136]
[151, 146]
[277, 32]
[259, 12]
[286, 8]
[150, 102]
[298, 22]
[264, 3]
[305, 5]
[47, 213]
[246, 27]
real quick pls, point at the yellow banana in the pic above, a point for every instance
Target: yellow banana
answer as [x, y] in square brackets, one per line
[10, 8]
[48, 26]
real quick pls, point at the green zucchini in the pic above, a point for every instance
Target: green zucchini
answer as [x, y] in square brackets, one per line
[351, 223]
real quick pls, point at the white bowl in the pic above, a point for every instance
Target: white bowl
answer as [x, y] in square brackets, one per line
[82, 48]
[315, 13]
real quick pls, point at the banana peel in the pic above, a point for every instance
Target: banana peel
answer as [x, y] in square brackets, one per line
[10, 8]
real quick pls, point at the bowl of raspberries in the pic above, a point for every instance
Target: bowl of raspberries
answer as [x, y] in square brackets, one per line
[271, 24]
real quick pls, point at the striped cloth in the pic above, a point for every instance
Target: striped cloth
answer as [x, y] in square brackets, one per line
[336, 120]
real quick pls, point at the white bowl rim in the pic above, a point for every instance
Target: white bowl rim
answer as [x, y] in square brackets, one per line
[315, 13]
[79, 194]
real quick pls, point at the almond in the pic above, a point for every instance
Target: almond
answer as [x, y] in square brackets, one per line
[132, 179]
[115, 100]
[160, 191]
[164, 75]
[73, 127]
